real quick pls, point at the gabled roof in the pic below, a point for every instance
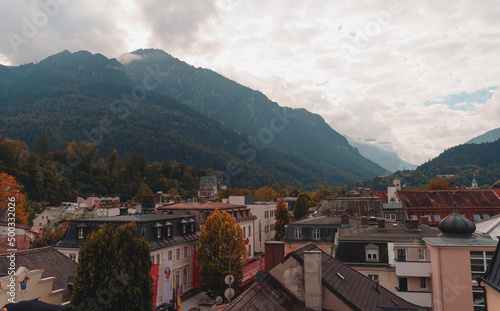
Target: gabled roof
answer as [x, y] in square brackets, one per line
[444, 199]
[492, 275]
[355, 289]
[53, 262]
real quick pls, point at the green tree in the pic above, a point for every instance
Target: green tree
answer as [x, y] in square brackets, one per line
[265, 194]
[301, 207]
[43, 146]
[221, 248]
[282, 218]
[441, 184]
[113, 271]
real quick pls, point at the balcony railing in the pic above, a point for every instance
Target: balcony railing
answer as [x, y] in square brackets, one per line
[423, 299]
[413, 268]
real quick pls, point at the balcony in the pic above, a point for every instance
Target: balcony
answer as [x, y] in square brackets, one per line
[423, 299]
[413, 268]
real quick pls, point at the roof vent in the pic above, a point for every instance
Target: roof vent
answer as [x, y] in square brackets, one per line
[340, 275]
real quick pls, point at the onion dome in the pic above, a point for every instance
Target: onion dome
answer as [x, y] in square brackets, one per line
[456, 224]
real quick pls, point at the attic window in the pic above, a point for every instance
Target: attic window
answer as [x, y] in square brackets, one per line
[158, 233]
[298, 233]
[169, 230]
[340, 275]
[80, 233]
[183, 228]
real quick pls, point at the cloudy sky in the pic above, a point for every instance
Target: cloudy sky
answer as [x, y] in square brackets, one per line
[422, 75]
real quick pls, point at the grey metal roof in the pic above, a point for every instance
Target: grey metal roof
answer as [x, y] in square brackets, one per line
[492, 275]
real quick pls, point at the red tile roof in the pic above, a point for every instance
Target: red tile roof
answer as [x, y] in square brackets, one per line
[381, 194]
[201, 206]
[445, 199]
[251, 270]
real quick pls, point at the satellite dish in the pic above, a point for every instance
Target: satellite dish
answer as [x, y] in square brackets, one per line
[229, 279]
[229, 293]
[219, 300]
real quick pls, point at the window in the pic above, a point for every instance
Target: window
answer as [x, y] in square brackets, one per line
[486, 216]
[265, 214]
[250, 250]
[72, 257]
[428, 217]
[413, 216]
[479, 298]
[374, 277]
[401, 254]
[183, 228]
[421, 253]
[24, 283]
[244, 232]
[177, 276]
[316, 234]
[272, 227]
[80, 233]
[39, 224]
[169, 230]
[372, 255]
[249, 231]
[185, 251]
[476, 217]
[437, 217]
[177, 254]
[371, 251]
[169, 255]
[479, 261]
[298, 233]
[202, 216]
[185, 276]
[390, 216]
[403, 284]
[423, 283]
[158, 233]
[192, 227]
[158, 259]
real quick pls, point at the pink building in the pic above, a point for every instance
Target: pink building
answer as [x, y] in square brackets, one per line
[458, 257]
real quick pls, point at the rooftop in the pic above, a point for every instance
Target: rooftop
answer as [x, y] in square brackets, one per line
[492, 275]
[201, 206]
[53, 262]
[444, 199]
[391, 233]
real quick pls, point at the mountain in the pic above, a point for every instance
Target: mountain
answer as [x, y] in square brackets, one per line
[295, 135]
[462, 161]
[487, 137]
[81, 96]
[383, 155]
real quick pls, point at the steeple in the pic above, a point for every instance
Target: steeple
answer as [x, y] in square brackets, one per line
[474, 182]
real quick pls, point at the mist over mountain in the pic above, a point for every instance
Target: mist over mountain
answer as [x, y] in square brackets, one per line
[383, 155]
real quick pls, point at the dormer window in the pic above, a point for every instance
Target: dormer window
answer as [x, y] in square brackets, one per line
[202, 216]
[169, 231]
[298, 233]
[192, 227]
[80, 233]
[24, 283]
[372, 253]
[316, 234]
[158, 233]
[183, 228]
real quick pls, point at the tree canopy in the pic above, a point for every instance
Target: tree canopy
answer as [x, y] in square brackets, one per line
[282, 218]
[222, 248]
[113, 272]
[301, 207]
[11, 196]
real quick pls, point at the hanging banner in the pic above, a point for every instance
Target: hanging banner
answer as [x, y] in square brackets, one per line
[167, 281]
[155, 271]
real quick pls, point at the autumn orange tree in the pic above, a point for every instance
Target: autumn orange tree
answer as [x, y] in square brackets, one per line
[221, 248]
[11, 195]
[282, 219]
[265, 194]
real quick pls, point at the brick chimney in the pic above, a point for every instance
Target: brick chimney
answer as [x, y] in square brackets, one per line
[411, 224]
[312, 280]
[345, 219]
[177, 199]
[424, 221]
[275, 251]
[364, 221]
[381, 224]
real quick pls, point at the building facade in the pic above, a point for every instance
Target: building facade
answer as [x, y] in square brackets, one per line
[170, 237]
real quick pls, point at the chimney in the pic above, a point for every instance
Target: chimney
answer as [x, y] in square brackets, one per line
[411, 224]
[275, 251]
[312, 280]
[364, 221]
[345, 219]
[177, 199]
[381, 224]
[203, 200]
[424, 221]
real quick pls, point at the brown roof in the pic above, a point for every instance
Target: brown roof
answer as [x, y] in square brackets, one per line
[201, 206]
[355, 289]
[381, 194]
[53, 262]
[445, 199]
